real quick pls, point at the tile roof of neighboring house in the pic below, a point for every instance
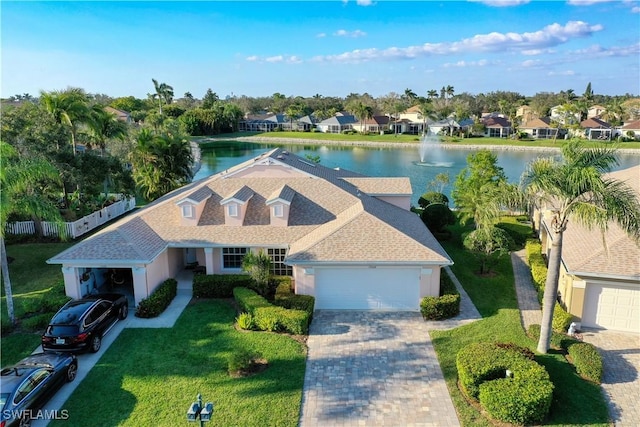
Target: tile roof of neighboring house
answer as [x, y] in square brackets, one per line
[376, 120]
[285, 193]
[330, 219]
[277, 118]
[539, 123]
[414, 109]
[635, 125]
[594, 122]
[309, 119]
[496, 122]
[584, 251]
[339, 120]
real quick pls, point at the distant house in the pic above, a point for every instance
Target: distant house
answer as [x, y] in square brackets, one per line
[525, 114]
[337, 124]
[557, 114]
[631, 127]
[542, 129]
[375, 124]
[121, 115]
[306, 123]
[595, 111]
[594, 128]
[496, 127]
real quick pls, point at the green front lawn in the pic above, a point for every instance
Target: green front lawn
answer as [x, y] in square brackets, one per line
[149, 377]
[576, 401]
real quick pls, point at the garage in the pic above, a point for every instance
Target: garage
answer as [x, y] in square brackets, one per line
[612, 307]
[367, 288]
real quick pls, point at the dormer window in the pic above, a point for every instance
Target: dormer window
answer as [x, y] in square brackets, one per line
[278, 211]
[188, 211]
[232, 209]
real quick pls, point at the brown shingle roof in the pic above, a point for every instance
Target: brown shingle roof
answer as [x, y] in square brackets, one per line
[380, 186]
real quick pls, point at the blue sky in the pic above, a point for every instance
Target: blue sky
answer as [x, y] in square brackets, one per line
[331, 48]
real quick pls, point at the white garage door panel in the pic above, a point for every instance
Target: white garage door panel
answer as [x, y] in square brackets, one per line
[367, 288]
[612, 307]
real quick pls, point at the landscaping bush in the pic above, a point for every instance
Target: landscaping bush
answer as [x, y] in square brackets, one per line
[159, 300]
[5, 326]
[446, 305]
[524, 398]
[218, 285]
[268, 317]
[561, 319]
[242, 360]
[558, 340]
[438, 308]
[245, 321]
[287, 299]
[37, 322]
[587, 360]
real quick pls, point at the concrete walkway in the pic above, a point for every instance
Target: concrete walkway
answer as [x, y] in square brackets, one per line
[86, 361]
[620, 351]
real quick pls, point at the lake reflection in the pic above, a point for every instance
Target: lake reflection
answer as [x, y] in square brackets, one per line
[374, 161]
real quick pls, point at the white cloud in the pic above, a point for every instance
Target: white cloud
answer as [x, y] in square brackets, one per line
[252, 58]
[321, 35]
[532, 52]
[345, 33]
[501, 3]
[463, 64]
[635, 9]
[587, 2]
[277, 58]
[290, 59]
[561, 73]
[551, 35]
[530, 63]
[364, 3]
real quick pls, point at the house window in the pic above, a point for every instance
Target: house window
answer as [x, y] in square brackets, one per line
[187, 211]
[278, 211]
[232, 257]
[233, 209]
[278, 268]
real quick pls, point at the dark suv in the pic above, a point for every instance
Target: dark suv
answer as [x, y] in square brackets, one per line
[80, 324]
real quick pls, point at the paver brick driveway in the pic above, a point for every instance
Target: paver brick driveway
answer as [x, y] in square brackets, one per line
[373, 369]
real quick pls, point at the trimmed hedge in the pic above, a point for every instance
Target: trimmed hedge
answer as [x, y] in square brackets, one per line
[219, 285]
[159, 300]
[584, 356]
[446, 305]
[268, 317]
[561, 319]
[524, 398]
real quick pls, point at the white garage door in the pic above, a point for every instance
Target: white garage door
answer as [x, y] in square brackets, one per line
[367, 288]
[612, 307]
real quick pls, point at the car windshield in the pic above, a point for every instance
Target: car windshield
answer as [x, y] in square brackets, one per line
[62, 330]
[71, 312]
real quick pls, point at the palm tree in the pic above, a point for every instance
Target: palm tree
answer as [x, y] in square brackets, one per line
[104, 125]
[293, 112]
[432, 94]
[426, 110]
[20, 180]
[69, 108]
[164, 93]
[449, 91]
[576, 189]
[410, 96]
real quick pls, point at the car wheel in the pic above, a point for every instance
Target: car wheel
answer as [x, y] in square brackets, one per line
[124, 312]
[96, 343]
[72, 372]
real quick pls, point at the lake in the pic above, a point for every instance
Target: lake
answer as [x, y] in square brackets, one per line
[387, 161]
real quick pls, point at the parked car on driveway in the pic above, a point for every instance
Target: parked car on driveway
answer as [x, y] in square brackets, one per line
[29, 384]
[80, 324]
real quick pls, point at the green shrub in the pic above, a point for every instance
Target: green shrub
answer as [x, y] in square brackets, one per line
[245, 321]
[518, 349]
[53, 303]
[242, 360]
[438, 308]
[587, 360]
[561, 319]
[517, 232]
[5, 326]
[558, 340]
[268, 317]
[37, 322]
[447, 287]
[432, 197]
[218, 285]
[159, 300]
[524, 398]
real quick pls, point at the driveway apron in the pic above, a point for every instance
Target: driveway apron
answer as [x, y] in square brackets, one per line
[373, 369]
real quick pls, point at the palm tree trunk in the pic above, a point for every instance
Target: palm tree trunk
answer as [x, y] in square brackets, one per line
[7, 281]
[551, 287]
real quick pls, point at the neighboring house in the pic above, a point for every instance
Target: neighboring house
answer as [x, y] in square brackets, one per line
[306, 123]
[349, 240]
[121, 115]
[595, 111]
[557, 114]
[496, 127]
[337, 123]
[631, 127]
[375, 124]
[444, 126]
[599, 284]
[525, 114]
[257, 123]
[595, 128]
[542, 128]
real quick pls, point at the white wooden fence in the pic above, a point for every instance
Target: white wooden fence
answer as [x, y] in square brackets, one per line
[76, 228]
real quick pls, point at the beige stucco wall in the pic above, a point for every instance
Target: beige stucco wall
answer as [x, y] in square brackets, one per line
[430, 281]
[304, 283]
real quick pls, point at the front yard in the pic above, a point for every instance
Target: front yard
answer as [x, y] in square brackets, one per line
[149, 377]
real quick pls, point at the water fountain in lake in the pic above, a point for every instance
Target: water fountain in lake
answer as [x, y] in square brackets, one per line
[431, 153]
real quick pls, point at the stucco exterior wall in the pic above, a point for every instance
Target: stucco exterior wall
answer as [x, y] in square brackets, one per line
[403, 202]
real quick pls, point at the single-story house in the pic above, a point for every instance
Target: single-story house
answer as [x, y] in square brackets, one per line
[599, 281]
[496, 127]
[631, 127]
[337, 124]
[375, 124]
[542, 129]
[595, 128]
[121, 115]
[349, 240]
